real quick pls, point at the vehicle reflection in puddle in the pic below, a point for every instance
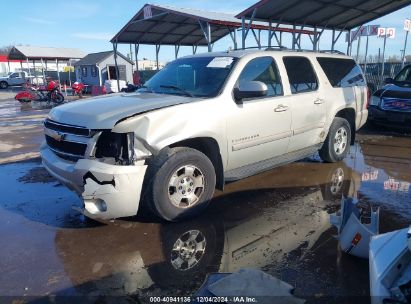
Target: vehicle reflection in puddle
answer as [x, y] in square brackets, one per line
[277, 221]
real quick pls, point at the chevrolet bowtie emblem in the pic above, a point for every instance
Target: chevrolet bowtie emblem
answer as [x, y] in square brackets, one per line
[58, 136]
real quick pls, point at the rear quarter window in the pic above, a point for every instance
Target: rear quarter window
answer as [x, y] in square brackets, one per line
[342, 73]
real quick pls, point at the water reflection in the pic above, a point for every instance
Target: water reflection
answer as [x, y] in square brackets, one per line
[257, 222]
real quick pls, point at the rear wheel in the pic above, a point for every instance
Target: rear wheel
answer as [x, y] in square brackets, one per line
[57, 97]
[181, 182]
[3, 85]
[337, 143]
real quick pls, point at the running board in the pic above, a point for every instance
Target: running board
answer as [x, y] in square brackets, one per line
[269, 164]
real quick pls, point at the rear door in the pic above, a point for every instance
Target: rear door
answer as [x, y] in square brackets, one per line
[307, 102]
[259, 128]
[348, 84]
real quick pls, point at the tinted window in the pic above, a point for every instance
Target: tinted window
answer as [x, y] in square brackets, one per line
[404, 75]
[300, 74]
[84, 71]
[265, 70]
[342, 73]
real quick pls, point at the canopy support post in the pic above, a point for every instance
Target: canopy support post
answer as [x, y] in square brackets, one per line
[136, 49]
[28, 68]
[42, 70]
[195, 49]
[157, 52]
[115, 62]
[69, 71]
[256, 38]
[293, 46]
[58, 73]
[176, 50]
[269, 33]
[245, 29]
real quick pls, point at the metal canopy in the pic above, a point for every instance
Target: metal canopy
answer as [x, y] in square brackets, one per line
[38, 53]
[330, 14]
[165, 25]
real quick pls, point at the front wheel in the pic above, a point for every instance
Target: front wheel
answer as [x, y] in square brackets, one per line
[180, 182]
[337, 143]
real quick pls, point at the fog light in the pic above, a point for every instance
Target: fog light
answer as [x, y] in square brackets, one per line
[95, 206]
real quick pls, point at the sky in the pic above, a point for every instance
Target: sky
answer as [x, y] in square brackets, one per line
[89, 25]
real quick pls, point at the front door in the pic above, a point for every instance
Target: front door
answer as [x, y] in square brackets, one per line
[259, 129]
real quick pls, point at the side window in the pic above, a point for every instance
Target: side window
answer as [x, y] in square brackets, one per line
[84, 71]
[342, 73]
[15, 75]
[300, 74]
[265, 70]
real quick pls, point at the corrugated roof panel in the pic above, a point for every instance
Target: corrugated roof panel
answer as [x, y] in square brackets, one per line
[45, 52]
[339, 14]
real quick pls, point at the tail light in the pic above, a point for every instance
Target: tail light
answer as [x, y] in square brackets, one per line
[369, 95]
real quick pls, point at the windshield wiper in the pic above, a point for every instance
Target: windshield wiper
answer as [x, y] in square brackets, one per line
[147, 88]
[177, 89]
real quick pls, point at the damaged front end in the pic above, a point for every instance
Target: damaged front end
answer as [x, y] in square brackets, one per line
[106, 169]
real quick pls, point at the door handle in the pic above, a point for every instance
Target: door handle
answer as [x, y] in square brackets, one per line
[319, 101]
[281, 108]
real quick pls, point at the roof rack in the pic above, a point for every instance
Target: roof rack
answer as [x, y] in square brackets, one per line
[332, 52]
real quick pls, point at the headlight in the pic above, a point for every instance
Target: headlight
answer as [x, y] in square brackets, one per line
[119, 146]
[375, 101]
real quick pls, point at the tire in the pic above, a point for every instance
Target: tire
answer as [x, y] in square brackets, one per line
[180, 183]
[4, 85]
[186, 267]
[338, 141]
[57, 97]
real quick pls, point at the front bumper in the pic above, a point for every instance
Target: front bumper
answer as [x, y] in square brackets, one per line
[389, 118]
[108, 191]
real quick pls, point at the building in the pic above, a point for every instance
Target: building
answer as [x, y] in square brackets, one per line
[96, 68]
[149, 65]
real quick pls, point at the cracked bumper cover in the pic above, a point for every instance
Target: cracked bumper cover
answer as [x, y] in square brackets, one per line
[108, 191]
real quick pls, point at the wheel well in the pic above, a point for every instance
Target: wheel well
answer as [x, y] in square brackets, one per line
[210, 148]
[349, 115]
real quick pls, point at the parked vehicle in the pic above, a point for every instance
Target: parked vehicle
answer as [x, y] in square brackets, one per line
[391, 105]
[50, 93]
[78, 89]
[202, 121]
[13, 79]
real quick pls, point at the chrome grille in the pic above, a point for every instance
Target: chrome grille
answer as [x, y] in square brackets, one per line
[396, 104]
[67, 141]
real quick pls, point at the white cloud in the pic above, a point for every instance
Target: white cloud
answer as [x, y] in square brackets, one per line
[38, 20]
[93, 36]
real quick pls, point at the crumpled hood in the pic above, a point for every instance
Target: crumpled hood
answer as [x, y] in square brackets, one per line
[104, 112]
[394, 91]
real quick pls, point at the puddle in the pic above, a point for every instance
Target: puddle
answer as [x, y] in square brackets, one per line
[277, 221]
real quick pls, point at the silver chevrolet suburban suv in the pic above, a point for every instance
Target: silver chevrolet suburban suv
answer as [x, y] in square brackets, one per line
[200, 122]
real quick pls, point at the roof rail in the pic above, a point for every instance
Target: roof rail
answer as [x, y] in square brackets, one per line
[332, 52]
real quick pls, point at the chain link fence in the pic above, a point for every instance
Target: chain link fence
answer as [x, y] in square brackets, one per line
[375, 77]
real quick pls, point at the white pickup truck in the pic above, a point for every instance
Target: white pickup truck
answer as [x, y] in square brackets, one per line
[13, 79]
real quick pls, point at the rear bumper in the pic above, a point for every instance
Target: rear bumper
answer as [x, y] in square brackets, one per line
[108, 191]
[390, 118]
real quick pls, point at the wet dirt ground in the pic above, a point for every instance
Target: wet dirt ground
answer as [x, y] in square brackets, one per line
[277, 221]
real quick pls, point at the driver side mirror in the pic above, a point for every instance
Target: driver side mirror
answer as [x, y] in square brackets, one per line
[389, 80]
[250, 89]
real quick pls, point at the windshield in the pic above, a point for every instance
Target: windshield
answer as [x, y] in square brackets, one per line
[404, 75]
[194, 77]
